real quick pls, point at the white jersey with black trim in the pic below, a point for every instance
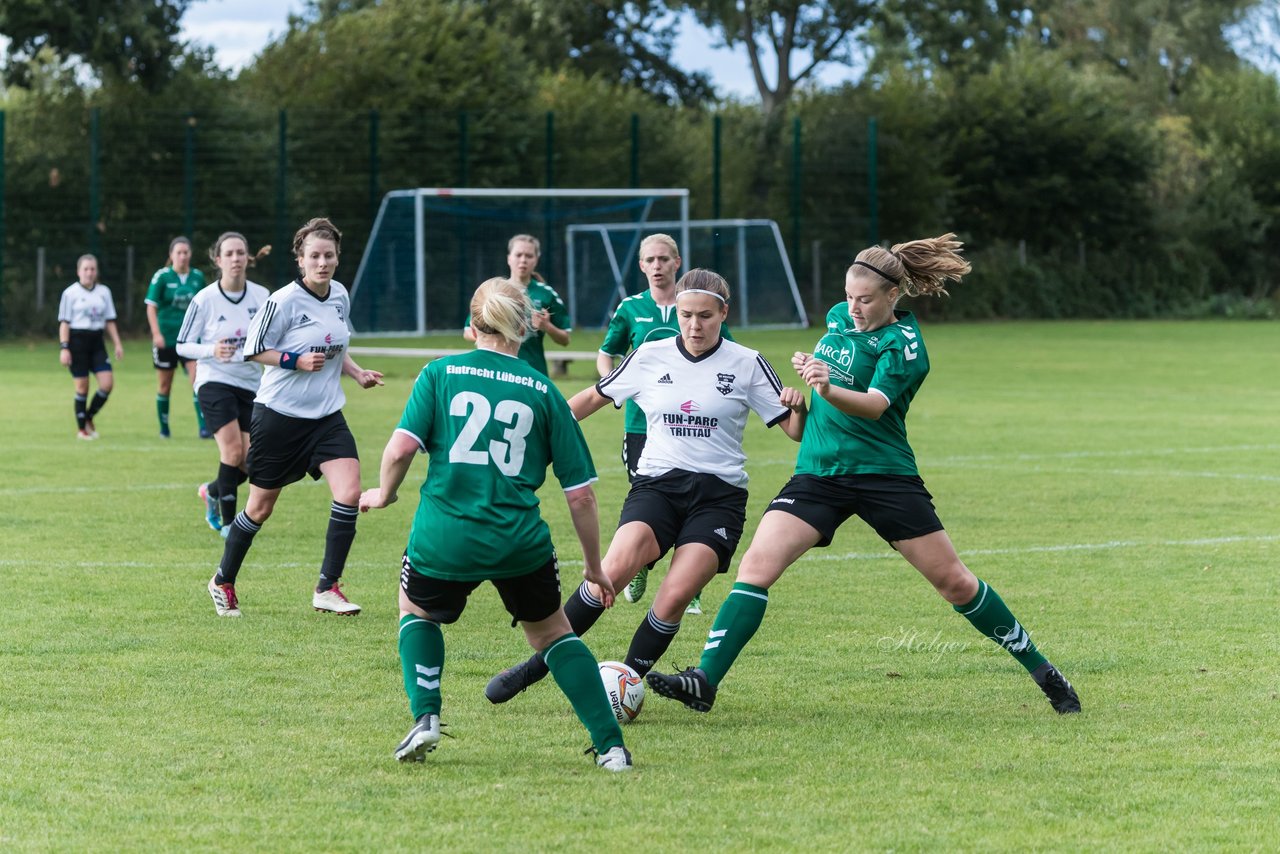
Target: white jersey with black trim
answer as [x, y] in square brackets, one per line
[696, 406]
[294, 320]
[86, 309]
[214, 316]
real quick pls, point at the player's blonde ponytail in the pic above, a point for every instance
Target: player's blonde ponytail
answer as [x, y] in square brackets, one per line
[500, 307]
[918, 267]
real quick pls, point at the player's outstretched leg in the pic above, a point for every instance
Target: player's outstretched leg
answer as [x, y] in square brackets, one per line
[736, 623]
[988, 613]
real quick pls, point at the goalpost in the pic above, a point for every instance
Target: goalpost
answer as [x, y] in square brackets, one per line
[430, 247]
[749, 253]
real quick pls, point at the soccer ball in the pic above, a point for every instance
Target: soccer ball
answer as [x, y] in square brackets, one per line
[624, 688]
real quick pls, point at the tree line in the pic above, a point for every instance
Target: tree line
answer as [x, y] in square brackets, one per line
[1114, 158]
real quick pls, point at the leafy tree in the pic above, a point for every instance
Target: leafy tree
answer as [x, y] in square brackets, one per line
[130, 39]
[1152, 42]
[624, 41]
[961, 36]
[824, 30]
[1045, 155]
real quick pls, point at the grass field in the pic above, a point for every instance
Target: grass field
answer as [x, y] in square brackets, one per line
[1115, 482]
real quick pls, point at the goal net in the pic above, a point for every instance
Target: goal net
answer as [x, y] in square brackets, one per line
[749, 253]
[431, 247]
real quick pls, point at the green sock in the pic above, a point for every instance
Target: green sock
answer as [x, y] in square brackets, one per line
[989, 615]
[422, 659]
[162, 411]
[195, 401]
[740, 615]
[578, 674]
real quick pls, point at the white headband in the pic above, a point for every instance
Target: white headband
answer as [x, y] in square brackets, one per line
[701, 291]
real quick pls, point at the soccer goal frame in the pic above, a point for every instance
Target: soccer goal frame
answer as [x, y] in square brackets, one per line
[420, 194]
[740, 280]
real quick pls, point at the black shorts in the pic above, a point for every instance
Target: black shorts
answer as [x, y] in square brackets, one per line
[222, 404]
[283, 450]
[88, 353]
[632, 448]
[685, 507]
[897, 507]
[167, 358]
[527, 598]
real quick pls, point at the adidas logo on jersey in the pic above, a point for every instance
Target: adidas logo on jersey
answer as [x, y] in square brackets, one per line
[722, 533]
[222, 318]
[304, 319]
[665, 380]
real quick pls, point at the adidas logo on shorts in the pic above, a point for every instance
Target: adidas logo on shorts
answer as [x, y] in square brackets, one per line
[665, 379]
[723, 534]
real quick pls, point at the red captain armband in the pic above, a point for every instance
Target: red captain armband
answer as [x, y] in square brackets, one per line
[289, 361]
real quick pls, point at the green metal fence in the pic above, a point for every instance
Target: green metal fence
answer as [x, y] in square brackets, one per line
[121, 183]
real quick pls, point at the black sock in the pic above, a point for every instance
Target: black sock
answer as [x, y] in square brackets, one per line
[243, 530]
[583, 610]
[226, 491]
[649, 642]
[337, 543]
[81, 418]
[99, 401]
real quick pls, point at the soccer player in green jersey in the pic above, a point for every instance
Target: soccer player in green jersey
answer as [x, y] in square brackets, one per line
[548, 315]
[855, 460]
[491, 425]
[170, 292]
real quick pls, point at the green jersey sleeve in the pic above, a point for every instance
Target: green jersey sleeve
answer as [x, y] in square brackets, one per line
[570, 457]
[419, 409]
[559, 311]
[617, 338]
[155, 290]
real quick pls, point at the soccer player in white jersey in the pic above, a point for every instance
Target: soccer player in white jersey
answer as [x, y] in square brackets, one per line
[696, 390]
[647, 316]
[301, 336]
[85, 311]
[491, 425]
[213, 332]
[855, 460]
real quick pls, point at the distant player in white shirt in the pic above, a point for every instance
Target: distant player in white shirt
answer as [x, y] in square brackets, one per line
[301, 335]
[689, 492]
[212, 334]
[84, 313]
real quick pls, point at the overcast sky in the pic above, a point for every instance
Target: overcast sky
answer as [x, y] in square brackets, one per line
[238, 29]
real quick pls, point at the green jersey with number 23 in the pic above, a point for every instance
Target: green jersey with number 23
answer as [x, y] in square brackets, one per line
[491, 425]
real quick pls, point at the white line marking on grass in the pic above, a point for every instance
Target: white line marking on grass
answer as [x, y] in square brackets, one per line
[930, 461]
[1064, 547]
[1209, 475]
[814, 554]
[106, 487]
